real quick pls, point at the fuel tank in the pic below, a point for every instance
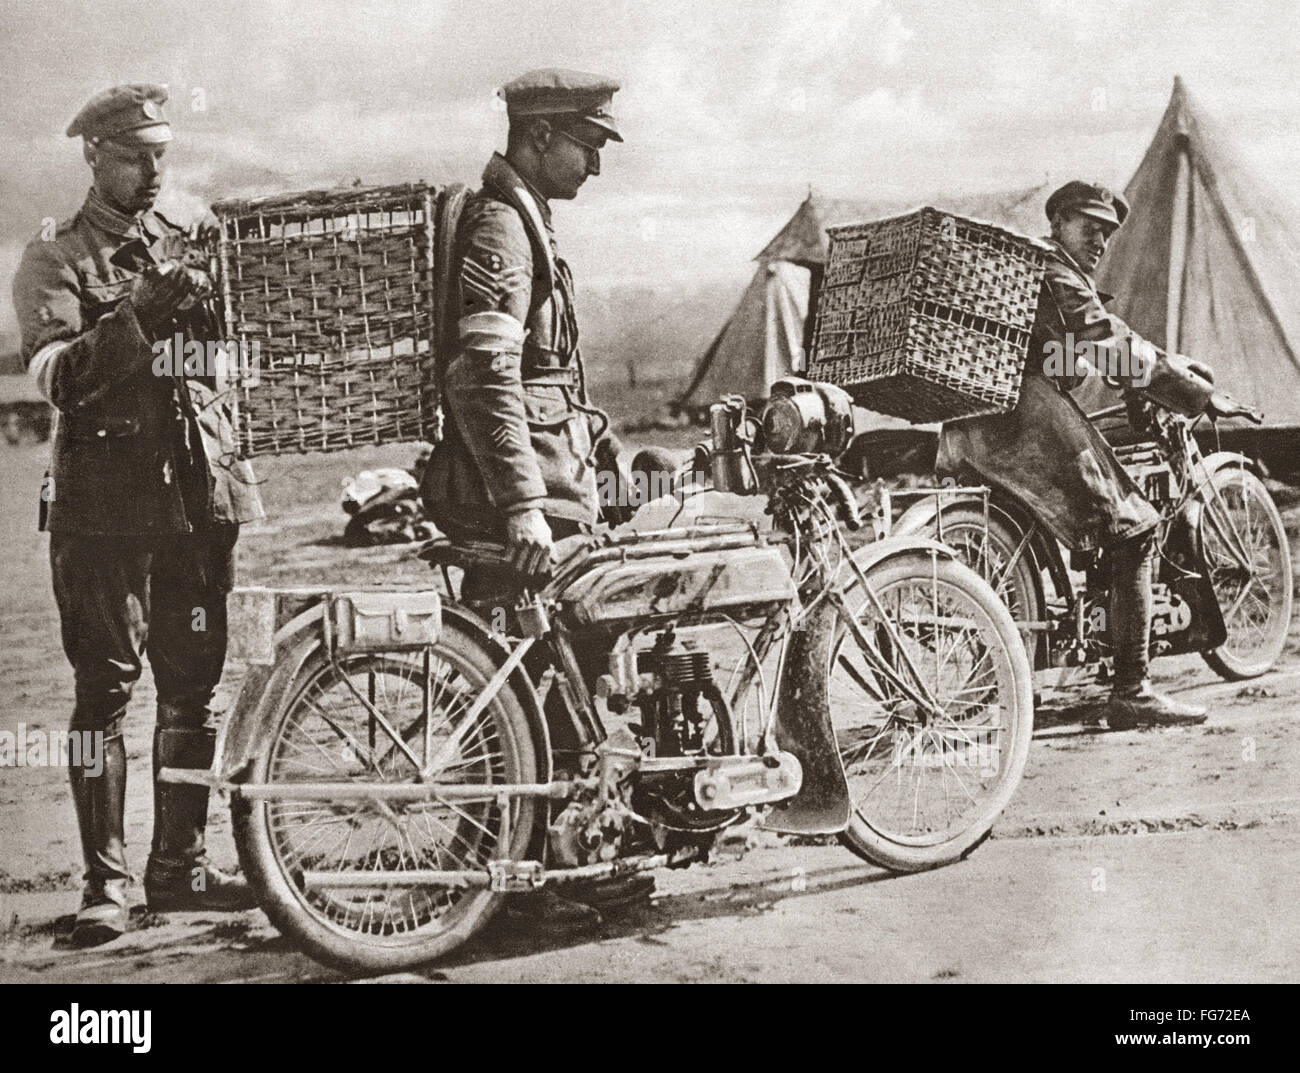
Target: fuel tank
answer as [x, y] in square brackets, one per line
[730, 579]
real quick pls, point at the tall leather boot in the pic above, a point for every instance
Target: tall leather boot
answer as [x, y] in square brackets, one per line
[100, 801]
[178, 877]
[1133, 702]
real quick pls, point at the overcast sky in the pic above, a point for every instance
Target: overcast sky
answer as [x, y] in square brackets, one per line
[731, 110]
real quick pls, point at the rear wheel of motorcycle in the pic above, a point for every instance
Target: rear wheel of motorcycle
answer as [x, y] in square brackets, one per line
[324, 733]
[990, 551]
[926, 791]
[1256, 602]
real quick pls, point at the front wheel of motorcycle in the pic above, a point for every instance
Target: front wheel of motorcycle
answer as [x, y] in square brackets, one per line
[299, 852]
[927, 785]
[1249, 559]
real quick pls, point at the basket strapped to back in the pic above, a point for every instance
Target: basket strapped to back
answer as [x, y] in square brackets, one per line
[927, 316]
[342, 299]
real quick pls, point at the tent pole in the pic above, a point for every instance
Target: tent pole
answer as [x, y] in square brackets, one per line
[1180, 237]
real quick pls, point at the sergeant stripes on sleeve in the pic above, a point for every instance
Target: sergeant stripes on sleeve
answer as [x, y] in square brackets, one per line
[492, 284]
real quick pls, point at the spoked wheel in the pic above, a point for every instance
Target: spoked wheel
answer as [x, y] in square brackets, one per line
[1249, 560]
[997, 555]
[928, 783]
[331, 731]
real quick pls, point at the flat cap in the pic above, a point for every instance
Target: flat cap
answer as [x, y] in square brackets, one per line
[554, 91]
[1090, 199]
[131, 112]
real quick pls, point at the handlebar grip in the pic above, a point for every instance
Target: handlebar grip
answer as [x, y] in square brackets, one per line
[1222, 405]
[842, 497]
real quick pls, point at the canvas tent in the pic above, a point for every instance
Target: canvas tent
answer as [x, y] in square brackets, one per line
[762, 340]
[765, 336]
[1208, 264]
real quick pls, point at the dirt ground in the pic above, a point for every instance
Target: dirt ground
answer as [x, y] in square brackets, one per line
[1169, 855]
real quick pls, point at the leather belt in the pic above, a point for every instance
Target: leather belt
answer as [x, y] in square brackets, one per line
[550, 375]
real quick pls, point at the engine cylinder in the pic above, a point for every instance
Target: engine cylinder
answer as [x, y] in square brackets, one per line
[680, 668]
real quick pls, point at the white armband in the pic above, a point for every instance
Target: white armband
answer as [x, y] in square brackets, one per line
[490, 331]
[42, 368]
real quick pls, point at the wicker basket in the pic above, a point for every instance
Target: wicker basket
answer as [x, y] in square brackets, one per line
[335, 295]
[927, 316]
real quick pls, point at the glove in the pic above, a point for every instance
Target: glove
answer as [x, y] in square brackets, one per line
[612, 484]
[162, 291]
[616, 506]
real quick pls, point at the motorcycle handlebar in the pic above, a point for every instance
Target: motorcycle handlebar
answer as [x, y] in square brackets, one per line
[839, 492]
[1220, 406]
[842, 497]
[1224, 406]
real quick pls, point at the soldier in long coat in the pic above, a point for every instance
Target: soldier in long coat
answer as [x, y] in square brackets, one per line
[1048, 455]
[143, 501]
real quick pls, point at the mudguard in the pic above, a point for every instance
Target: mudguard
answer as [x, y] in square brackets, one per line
[1218, 459]
[265, 688]
[803, 727]
[920, 518]
[265, 683]
[803, 724]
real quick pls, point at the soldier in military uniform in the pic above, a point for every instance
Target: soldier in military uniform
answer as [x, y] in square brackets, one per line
[523, 445]
[143, 502]
[518, 462]
[1047, 454]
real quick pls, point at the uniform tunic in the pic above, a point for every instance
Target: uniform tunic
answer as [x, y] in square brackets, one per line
[1045, 452]
[519, 432]
[134, 452]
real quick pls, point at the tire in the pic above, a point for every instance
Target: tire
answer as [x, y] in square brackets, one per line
[277, 841]
[1257, 609]
[1020, 588]
[980, 744]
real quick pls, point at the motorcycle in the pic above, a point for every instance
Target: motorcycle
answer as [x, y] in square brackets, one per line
[396, 762]
[1222, 584]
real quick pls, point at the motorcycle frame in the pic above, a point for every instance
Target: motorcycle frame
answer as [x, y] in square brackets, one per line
[302, 627]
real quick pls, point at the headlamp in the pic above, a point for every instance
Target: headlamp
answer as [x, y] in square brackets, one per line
[803, 417]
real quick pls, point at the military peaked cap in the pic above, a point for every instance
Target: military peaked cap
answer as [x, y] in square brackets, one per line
[129, 112]
[553, 91]
[1090, 199]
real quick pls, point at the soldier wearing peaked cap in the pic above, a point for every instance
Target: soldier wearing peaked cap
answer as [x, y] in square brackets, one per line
[1049, 456]
[518, 462]
[523, 444]
[143, 502]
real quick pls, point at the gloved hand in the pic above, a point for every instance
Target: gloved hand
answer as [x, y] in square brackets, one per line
[163, 290]
[528, 542]
[1178, 384]
[612, 485]
[615, 491]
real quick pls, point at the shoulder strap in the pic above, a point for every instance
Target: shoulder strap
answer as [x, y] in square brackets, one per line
[447, 209]
[522, 202]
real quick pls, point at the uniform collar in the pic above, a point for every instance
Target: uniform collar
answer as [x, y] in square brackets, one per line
[99, 212]
[501, 174]
[1063, 255]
